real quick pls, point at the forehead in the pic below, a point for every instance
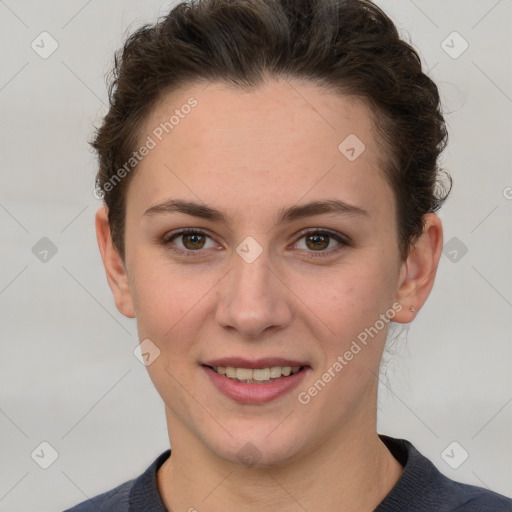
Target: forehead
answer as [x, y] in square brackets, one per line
[278, 142]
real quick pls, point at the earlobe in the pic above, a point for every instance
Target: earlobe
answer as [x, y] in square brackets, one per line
[418, 271]
[114, 265]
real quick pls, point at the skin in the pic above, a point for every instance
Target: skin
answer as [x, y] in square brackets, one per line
[251, 154]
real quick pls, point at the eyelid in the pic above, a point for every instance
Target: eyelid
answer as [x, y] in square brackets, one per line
[185, 231]
[335, 234]
[169, 237]
[343, 240]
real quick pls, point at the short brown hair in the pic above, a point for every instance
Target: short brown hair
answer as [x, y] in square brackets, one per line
[349, 46]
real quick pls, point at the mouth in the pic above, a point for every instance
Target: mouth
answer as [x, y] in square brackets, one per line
[256, 375]
[255, 381]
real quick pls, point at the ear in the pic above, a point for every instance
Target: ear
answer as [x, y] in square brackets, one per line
[418, 271]
[114, 265]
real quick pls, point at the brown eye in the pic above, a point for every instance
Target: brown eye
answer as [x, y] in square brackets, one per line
[188, 241]
[317, 241]
[193, 241]
[321, 242]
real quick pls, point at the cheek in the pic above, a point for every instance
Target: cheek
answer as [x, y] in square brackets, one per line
[173, 302]
[350, 302]
[168, 309]
[163, 296]
[355, 291]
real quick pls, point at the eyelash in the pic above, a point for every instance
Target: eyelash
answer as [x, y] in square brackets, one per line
[343, 242]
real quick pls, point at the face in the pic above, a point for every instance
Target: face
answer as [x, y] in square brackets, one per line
[255, 241]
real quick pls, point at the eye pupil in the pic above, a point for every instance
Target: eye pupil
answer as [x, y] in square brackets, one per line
[193, 241]
[317, 241]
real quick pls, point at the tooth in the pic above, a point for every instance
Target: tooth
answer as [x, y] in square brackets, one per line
[230, 372]
[258, 374]
[261, 374]
[243, 373]
[275, 372]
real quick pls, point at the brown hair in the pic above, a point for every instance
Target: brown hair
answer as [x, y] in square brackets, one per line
[349, 46]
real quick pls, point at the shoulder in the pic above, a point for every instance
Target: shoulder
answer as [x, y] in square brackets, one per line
[470, 498]
[115, 500]
[423, 487]
[477, 499]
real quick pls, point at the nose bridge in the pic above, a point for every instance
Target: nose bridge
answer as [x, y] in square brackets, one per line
[252, 277]
[252, 298]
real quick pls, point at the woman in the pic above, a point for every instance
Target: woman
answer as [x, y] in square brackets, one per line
[270, 179]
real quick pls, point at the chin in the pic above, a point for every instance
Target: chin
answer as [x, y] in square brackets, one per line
[255, 447]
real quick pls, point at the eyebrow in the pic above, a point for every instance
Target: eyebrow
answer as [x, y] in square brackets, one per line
[203, 211]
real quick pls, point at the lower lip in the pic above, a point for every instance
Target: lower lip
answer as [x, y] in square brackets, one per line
[254, 393]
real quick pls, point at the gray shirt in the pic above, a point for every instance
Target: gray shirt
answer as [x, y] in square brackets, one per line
[421, 488]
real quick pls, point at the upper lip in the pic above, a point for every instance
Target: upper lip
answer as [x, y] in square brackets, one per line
[264, 362]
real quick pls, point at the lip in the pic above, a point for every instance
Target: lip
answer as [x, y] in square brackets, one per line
[254, 394]
[265, 362]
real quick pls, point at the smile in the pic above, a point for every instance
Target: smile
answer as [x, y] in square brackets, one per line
[255, 381]
[256, 375]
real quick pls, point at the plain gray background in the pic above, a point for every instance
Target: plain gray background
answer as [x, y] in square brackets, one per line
[68, 373]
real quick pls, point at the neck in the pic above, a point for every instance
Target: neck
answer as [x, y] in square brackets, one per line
[352, 470]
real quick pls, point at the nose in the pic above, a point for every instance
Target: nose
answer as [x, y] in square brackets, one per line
[254, 301]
